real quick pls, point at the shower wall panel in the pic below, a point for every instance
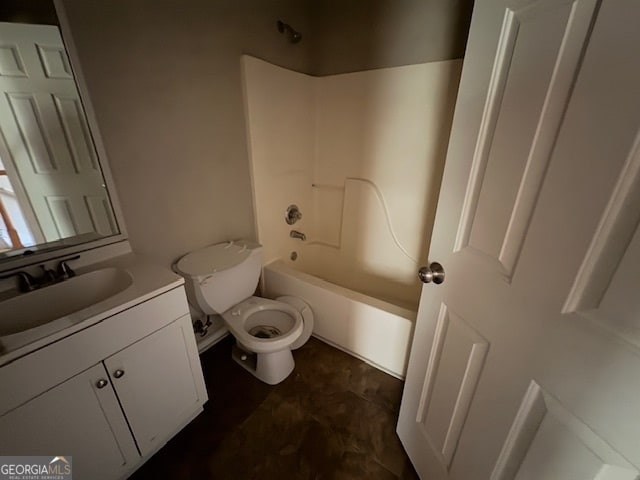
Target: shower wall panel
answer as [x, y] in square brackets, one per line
[362, 155]
[382, 135]
[279, 108]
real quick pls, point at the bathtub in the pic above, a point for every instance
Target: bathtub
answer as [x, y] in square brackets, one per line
[375, 331]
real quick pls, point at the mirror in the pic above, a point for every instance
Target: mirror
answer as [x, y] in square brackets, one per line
[53, 192]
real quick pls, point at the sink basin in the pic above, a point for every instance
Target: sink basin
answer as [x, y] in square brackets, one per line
[37, 308]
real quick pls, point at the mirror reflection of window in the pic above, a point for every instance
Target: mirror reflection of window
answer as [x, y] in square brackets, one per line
[14, 229]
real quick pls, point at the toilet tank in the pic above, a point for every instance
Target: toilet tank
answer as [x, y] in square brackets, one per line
[222, 275]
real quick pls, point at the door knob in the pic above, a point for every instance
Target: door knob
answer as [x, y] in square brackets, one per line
[433, 273]
[102, 383]
[118, 373]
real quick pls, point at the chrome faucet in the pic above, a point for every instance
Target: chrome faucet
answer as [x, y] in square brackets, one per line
[297, 234]
[48, 277]
[28, 282]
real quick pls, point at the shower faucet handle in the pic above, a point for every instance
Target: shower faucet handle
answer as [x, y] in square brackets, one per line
[292, 215]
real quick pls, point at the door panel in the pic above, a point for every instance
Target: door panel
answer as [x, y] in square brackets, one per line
[54, 61]
[621, 303]
[11, 64]
[455, 365]
[604, 288]
[546, 442]
[537, 229]
[27, 118]
[528, 91]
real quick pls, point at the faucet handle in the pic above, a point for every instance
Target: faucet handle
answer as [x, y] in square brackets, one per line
[26, 282]
[64, 270]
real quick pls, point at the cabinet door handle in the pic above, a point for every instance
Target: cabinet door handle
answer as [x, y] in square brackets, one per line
[102, 383]
[118, 373]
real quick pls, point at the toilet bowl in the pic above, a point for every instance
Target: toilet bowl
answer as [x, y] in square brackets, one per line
[221, 279]
[270, 329]
[262, 325]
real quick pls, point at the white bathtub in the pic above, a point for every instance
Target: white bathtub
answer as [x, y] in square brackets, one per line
[373, 330]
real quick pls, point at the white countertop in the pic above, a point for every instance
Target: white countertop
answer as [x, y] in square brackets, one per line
[149, 280]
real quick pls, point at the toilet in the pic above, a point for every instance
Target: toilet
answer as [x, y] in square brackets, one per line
[221, 279]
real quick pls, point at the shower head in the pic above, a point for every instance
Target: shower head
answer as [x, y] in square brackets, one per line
[292, 35]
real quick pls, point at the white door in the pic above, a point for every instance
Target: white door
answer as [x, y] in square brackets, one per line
[525, 362]
[45, 144]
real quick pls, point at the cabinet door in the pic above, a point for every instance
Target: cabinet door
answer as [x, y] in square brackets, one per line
[159, 383]
[77, 419]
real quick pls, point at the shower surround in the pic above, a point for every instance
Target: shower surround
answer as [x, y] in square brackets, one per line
[361, 154]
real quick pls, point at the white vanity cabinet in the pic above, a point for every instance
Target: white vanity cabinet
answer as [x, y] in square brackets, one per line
[158, 381]
[110, 395]
[78, 418]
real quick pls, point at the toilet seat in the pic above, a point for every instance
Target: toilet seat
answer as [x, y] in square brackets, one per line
[238, 315]
[307, 318]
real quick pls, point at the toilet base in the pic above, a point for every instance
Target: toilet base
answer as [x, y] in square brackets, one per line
[272, 368]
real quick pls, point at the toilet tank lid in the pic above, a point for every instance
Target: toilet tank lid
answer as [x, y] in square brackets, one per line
[216, 258]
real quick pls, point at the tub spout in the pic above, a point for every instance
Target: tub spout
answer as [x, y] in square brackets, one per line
[297, 234]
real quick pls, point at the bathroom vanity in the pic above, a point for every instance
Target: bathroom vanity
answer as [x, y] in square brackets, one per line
[98, 360]
[112, 383]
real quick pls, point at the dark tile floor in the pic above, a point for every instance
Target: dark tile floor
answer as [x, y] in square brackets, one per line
[333, 418]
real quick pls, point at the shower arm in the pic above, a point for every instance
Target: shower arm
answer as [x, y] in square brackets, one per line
[293, 35]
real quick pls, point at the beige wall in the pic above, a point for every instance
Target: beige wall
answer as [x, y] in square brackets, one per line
[355, 35]
[164, 78]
